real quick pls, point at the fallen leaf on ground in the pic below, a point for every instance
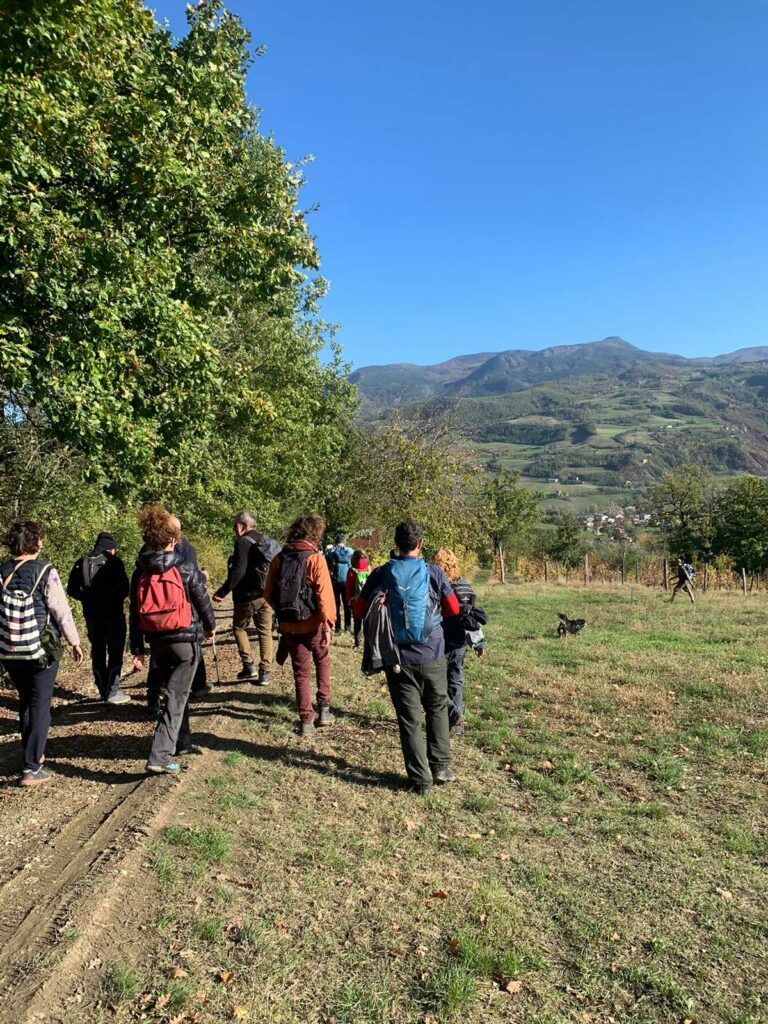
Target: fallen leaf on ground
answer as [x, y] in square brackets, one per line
[162, 1001]
[548, 766]
[453, 944]
[410, 825]
[510, 985]
[239, 1013]
[725, 894]
[177, 972]
[224, 977]
[439, 894]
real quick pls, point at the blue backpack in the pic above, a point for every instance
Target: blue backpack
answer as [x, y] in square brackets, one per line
[406, 581]
[339, 561]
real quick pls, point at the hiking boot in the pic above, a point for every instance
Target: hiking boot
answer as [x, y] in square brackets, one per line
[422, 791]
[248, 671]
[118, 697]
[326, 717]
[265, 678]
[443, 775]
[307, 730]
[202, 692]
[34, 778]
[164, 769]
[187, 747]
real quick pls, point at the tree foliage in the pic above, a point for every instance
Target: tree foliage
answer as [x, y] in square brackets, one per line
[684, 503]
[742, 523]
[157, 320]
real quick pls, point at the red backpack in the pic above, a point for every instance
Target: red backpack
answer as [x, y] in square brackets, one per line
[162, 602]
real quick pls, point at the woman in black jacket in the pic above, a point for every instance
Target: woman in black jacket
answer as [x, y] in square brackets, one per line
[175, 650]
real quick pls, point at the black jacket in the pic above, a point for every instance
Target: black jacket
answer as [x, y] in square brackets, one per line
[105, 598]
[156, 562]
[241, 579]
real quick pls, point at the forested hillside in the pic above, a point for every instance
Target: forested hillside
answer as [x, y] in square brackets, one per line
[604, 414]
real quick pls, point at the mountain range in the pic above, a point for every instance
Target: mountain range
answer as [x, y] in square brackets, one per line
[603, 415]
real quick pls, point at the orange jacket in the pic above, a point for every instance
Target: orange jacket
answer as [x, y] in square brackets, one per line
[319, 578]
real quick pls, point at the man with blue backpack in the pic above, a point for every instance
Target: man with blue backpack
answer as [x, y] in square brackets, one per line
[339, 559]
[418, 597]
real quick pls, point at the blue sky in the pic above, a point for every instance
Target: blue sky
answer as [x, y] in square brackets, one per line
[520, 174]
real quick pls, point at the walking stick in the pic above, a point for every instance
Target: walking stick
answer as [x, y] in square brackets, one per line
[216, 660]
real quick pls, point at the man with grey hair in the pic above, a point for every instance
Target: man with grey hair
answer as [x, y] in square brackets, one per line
[247, 574]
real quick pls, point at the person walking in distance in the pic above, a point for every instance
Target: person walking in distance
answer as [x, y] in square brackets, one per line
[685, 577]
[34, 615]
[339, 559]
[99, 581]
[246, 579]
[418, 597]
[359, 571]
[299, 588]
[169, 608]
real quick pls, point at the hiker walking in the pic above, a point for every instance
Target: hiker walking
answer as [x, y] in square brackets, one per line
[359, 571]
[686, 574]
[34, 615]
[246, 578]
[339, 558]
[459, 632]
[200, 686]
[299, 588]
[99, 581]
[169, 608]
[417, 595]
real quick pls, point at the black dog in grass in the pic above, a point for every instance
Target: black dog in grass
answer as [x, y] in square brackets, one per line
[570, 627]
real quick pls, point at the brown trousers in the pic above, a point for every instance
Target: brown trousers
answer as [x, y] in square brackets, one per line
[258, 612]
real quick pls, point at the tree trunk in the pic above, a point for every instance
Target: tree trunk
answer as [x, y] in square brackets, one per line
[502, 573]
[664, 575]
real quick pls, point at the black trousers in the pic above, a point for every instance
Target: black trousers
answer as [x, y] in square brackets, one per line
[340, 593]
[107, 639]
[413, 689]
[155, 680]
[176, 664]
[35, 686]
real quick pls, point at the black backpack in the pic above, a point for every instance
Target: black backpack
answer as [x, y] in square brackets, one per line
[263, 550]
[296, 599]
[92, 566]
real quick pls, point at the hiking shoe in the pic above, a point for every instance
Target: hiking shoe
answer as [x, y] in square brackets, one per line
[307, 730]
[423, 791]
[457, 729]
[187, 748]
[443, 775]
[248, 671]
[326, 717]
[265, 678]
[34, 778]
[202, 692]
[118, 697]
[164, 769]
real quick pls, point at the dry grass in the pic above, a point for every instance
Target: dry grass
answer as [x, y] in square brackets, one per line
[601, 859]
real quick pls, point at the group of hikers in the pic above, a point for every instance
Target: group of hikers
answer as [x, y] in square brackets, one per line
[415, 621]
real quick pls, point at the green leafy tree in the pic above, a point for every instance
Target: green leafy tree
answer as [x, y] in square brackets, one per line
[685, 503]
[509, 516]
[138, 206]
[742, 523]
[567, 545]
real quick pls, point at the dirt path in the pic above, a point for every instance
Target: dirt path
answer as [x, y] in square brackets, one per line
[73, 854]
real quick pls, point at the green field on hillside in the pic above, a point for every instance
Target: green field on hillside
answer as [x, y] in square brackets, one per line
[601, 858]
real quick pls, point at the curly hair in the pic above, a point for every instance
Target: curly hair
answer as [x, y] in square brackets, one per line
[158, 527]
[448, 562]
[307, 528]
[24, 537]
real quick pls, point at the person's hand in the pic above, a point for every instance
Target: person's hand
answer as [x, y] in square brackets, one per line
[211, 635]
[138, 662]
[206, 574]
[325, 638]
[217, 599]
[77, 651]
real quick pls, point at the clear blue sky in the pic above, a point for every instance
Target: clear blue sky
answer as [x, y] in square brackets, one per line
[522, 173]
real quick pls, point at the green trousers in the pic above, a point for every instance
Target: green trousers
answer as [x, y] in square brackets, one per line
[258, 612]
[417, 688]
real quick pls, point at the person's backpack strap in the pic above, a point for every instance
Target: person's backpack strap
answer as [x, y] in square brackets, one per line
[18, 565]
[43, 571]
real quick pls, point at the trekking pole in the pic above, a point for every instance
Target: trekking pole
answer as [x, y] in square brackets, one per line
[216, 660]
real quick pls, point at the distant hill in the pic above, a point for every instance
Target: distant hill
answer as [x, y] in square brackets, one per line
[604, 414]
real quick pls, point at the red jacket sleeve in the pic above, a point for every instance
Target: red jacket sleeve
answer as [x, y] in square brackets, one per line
[450, 606]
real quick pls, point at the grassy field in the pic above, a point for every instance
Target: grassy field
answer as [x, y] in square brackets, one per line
[602, 857]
